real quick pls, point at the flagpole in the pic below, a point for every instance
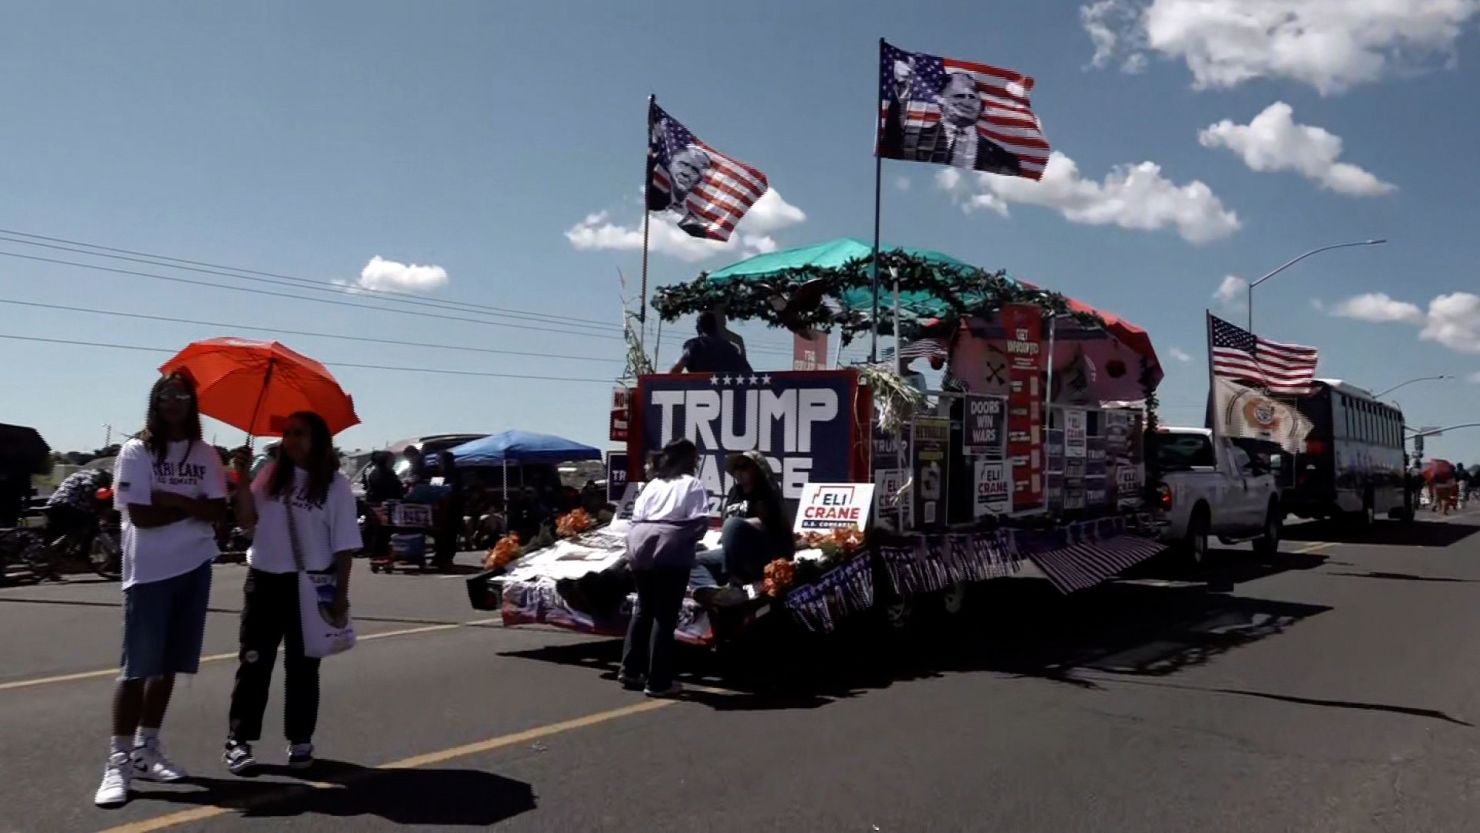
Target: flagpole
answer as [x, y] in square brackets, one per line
[873, 351]
[647, 215]
[1212, 384]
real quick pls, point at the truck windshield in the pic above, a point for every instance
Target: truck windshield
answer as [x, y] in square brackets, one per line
[1183, 451]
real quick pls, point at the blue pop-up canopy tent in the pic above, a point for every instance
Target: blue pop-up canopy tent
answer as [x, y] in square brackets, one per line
[520, 447]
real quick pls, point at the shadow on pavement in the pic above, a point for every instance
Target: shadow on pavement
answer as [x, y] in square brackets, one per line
[1020, 628]
[454, 797]
[1420, 533]
[1356, 705]
[1404, 577]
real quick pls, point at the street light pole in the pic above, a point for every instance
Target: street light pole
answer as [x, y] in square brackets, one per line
[1441, 377]
[1293, 261]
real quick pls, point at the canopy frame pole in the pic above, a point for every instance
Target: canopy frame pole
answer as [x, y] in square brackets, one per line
[647, 215]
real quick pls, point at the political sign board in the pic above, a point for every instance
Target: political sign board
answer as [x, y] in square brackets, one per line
[803, 423]
[616, 475]
[828, 506]
[986, 426]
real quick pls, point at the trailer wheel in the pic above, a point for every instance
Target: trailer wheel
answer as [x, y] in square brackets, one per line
[953, 598]
[898, 612]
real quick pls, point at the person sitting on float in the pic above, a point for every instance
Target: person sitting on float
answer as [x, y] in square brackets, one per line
[756, 531]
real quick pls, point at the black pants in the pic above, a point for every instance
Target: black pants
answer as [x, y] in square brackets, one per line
[269, 618]
[648, 650]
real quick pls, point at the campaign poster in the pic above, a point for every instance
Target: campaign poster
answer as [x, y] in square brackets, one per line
[1096, 487]
[616, 475]
[932, 470]
[1124, 461]
[992, 494]
[802, 423]
[809, 353]
[888, 504]
[1022, 326]
[621, 412]
[826, 507]
[1054, 465]
[986, 426]
[1076, 432]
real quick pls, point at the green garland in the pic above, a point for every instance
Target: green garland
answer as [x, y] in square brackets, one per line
[967, 291]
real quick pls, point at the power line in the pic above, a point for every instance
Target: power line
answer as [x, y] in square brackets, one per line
[270, 293]
[325, 285]
[315, 286]
[484, 373]
[332, 302]
[143, 317]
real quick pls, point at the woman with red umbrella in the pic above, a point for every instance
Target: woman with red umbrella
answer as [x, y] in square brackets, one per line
[305, 518]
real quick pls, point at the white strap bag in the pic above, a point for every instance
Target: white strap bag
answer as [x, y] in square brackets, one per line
[322, 636]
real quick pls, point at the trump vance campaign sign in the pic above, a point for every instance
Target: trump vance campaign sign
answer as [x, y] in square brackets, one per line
[804, 423]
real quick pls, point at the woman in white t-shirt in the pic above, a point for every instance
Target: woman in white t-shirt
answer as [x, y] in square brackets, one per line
[304, 488]
[668, 520]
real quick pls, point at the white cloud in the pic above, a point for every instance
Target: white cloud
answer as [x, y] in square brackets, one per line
[1180, 355]
[1329, 44]
[1377, 307]
[1111, 25]
[1474, 378]
[752, 236]
[382, 274]
[1454, 321]
[1273, 141]
[1130, 196]
[903, 183]
[1232, 293]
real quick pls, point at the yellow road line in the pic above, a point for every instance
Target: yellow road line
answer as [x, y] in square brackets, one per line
[113, 672]
[414, 762]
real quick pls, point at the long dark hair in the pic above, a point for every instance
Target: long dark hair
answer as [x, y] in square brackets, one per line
[322, 463]
[677, 459]
[156, 435]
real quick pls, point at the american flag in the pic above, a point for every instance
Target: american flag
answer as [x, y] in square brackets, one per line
[724, 191]
[925, 348]
[1007, 116]
[1272, 365]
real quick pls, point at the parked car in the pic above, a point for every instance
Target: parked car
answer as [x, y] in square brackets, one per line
[1213, 487]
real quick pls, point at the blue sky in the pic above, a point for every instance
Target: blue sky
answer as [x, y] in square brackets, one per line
[481, 138]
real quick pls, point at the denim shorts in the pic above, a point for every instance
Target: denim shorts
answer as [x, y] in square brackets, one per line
[164, 625]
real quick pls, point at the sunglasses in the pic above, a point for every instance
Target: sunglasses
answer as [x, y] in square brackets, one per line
[295, 432]
[174, 395]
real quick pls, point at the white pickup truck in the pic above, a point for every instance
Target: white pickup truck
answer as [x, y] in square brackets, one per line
[1213, 487]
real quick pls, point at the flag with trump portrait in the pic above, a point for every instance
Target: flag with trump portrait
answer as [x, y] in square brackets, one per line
[959, 113]
[706, 191]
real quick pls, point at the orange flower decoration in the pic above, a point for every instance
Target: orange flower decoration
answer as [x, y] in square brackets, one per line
[781, 574]
[572, 523]
[507, 549]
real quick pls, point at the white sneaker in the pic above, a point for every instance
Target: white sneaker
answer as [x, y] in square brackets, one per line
[150, 764]
[113, 792]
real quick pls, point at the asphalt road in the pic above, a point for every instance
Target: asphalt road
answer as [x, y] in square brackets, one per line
[1334, 688]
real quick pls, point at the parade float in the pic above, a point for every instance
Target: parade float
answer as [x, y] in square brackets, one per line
[1024, 460]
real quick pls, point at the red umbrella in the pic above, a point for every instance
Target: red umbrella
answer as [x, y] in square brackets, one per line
[1438, 471]
[255, 385]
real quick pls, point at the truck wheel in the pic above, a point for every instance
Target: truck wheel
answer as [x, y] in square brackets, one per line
[1268, 544]
[1195, 545]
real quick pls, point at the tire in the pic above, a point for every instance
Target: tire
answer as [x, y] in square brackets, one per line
[1369, 512]
[953, 598]
[1268, 544]
[898, 612]
[1194, 546]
